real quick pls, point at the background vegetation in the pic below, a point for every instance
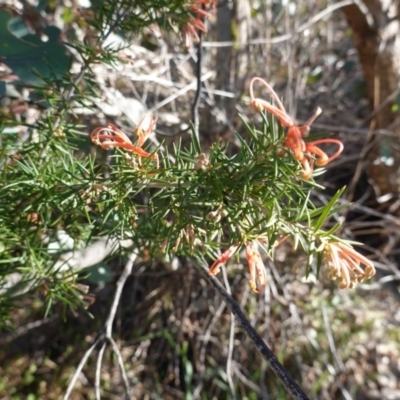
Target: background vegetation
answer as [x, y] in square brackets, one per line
[67, 68]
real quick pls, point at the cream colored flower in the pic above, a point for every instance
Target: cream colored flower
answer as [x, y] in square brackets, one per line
[344, 264]
[258, 275]
[256, 268]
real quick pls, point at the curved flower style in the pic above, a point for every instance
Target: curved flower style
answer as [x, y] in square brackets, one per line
[191, 28]
[222, 259]
[111, 136]
[344, 264]
[306, 152]
[255, 263]
[189, 31]
[256, 268]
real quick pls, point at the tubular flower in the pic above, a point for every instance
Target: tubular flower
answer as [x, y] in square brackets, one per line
[189, 31]
[344, 264]
[194, 25]
[206, 3]
[111, 136]
[222, 259]
[307, 153]
[255, 263]
[256, 268]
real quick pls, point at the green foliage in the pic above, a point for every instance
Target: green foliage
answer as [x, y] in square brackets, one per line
[58, 193]
[184, 208]
[254, 194]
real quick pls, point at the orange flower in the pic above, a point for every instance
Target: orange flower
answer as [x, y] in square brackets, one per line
[344, 263]
[256, 265]
[206, 3]
[194, 25]
[189, 31]
[222, 259]
[306, 152]
[111, 136]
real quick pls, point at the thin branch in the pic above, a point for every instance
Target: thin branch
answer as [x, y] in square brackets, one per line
[118, 292]
[231, 341]
[98, 370]
[288, 36]
[196, 102]
[104, 336]
[328, 332]
[340, 365]
[180, 92]
[120, 361]
[296, 317]
[79, 369]
[291, 386]
[24, 330]
[206, 338]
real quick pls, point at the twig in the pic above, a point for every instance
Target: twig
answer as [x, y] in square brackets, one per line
[98, 371]
[339, 363]
[295, 315]
[80, 367]
[288, 36]
[291, 386]
[328, 332]
[104, 336]
[246, 381]
[231, 341]
[24, 330]
[121, 367]
[180, 92]
[196, 102]
[206, 339]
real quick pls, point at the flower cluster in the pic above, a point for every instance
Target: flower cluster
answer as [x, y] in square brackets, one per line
[111, 136]
[344, 264]
[255, 263]
[196, 24]
[306, 152]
